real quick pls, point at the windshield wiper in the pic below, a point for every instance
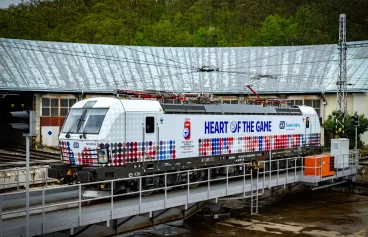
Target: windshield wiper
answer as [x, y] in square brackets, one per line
[77, 123]
[83, 133]
[81, 119]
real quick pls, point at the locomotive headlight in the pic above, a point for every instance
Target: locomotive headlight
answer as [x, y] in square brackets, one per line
[103, 156]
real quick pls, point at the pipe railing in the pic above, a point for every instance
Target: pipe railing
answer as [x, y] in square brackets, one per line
[261, 170]
[210, 180]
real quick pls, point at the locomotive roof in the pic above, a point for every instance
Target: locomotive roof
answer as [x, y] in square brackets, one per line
[229, 109]
[155, 106]
[128, 105]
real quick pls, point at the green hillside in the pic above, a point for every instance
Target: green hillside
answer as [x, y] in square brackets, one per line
[186, 22]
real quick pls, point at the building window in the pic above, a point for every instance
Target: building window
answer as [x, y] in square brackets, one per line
[317, 106]
[230, 101]
[166, 101]
[308, 103]
[50, 107]
[65, 105]
[56, 107]
[295, 102]
[298, 102]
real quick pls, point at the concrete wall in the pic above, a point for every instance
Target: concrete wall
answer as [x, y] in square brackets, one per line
[331, 103]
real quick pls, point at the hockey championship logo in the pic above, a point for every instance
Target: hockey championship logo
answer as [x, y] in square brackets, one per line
[186, 131]
[233, 126]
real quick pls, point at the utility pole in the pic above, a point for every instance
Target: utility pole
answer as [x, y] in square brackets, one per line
[27, 126]
[341, 98]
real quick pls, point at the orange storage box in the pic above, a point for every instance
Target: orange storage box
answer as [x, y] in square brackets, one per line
[313, 165]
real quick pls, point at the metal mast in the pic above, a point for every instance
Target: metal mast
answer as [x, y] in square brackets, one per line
[341, 99]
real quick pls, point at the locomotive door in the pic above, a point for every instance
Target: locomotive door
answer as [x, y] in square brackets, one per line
[150, 131]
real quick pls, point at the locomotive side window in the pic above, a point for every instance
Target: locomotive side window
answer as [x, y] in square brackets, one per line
[307, 122]
[150, 124]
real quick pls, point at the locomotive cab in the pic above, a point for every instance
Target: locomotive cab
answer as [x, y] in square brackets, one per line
[83, 128]
[94, 131]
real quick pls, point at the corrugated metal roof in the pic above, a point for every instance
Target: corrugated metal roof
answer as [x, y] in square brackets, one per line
[54, 66]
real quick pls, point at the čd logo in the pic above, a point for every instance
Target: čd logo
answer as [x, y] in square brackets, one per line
[282, 124]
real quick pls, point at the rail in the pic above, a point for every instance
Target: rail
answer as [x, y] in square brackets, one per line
[292, 170]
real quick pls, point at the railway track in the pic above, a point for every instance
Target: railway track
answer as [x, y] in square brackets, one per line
[15, 156]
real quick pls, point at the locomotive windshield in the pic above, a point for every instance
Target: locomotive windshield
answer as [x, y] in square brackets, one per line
[84, 121]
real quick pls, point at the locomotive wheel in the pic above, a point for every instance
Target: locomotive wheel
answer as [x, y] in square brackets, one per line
[147, 193]
[148, 187]
[197, 176]
[158, 182]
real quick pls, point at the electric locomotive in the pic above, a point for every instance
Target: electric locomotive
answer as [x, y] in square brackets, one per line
[110, 138]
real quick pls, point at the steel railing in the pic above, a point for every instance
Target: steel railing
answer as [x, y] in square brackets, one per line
[289, 166]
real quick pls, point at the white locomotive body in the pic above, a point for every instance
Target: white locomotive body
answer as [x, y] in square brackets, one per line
[144, 136]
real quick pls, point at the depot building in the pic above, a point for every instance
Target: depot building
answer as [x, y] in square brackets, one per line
[49, 77]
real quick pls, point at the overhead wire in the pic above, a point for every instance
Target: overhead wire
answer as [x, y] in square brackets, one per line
[73, 51]
[257, 73]
[158, 65]
[292, 63]
[93, 57]
[300, 77]
[168, 59]
[147, 79]
[150, 78]
[274, 55]
[270, 56]
[286, 76]
[302, 47]
[121, 46]
[170, 80]
[142, 62]
[155, 55]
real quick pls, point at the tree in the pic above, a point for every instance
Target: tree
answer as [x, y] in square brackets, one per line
[185, 23]
[276, 30]
[330, 128]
